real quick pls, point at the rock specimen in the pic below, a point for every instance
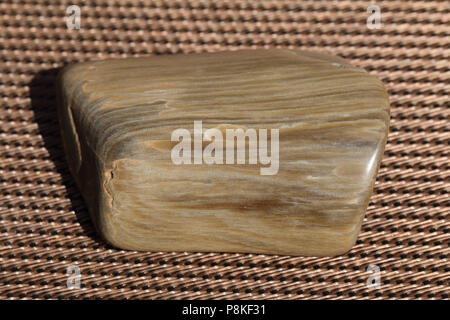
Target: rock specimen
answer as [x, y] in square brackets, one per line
[329, 120]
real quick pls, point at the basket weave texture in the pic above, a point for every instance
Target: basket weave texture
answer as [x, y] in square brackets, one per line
[44, 224]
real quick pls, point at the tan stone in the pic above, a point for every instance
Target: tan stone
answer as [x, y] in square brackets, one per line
[117, 117]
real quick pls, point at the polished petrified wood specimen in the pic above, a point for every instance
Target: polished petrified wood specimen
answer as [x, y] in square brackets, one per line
[329, 121]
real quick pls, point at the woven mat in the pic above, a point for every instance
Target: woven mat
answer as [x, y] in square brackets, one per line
[44, 225]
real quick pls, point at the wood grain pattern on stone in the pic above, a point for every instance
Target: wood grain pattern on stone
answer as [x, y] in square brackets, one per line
[118, 116]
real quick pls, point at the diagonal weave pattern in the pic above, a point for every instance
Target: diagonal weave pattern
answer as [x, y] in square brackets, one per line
[44, 225]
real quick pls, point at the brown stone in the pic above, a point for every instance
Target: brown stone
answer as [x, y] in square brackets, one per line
[117, 117]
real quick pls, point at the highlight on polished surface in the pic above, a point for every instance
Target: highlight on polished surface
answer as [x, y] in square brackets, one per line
[331, 122]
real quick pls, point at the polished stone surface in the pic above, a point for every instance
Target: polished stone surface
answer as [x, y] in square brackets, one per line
[117, 117]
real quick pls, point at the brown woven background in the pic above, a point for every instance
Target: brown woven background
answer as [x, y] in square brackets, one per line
[44, 225]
